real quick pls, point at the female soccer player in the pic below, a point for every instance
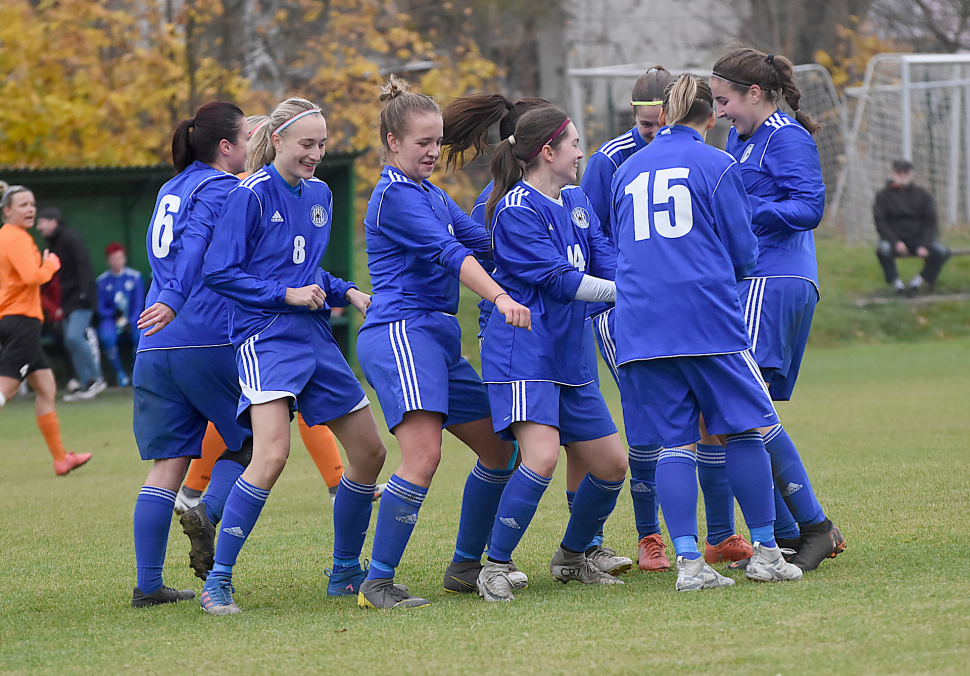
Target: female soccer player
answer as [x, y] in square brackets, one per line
[22, 272]
[541, 389]
[273, 231]
[420, 245]
[185, 375]
[682, 225]
[467, 122]
[782, 175]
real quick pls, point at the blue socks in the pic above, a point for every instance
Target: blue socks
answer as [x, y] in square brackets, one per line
[594, 502]
[224, 476]
[352, 508]
[718, 498]
[243, 506]
[677, 489]
[598, 538]
[153, 518]
[395, 522]
[791, 478]
[643, 489]
[515, 511]
[785, 526]
[749, 471]
[479, 502]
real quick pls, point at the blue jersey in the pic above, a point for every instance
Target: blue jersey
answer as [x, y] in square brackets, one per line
[417, 240]
[121, 295]
[542, 249]
[597, 180]
[684, 238]
[185, 213]
[271, 237]
[783, 178]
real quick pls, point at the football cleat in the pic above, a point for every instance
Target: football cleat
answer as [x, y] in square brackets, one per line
[518, 579]
[733, 548]
[384, 594]
[462, 577]
[216, 597]
[70, 462]
[140, 599]
[651, 553]
[767, 564]
[186, 499]
[202, 540]
[569, 566]
[818, 542]
[606, 560]
[695, 574]
[493, 582]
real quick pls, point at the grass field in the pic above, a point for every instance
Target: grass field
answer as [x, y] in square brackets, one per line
[883, 430]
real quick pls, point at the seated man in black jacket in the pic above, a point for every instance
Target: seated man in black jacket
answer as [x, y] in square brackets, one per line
[906, 220]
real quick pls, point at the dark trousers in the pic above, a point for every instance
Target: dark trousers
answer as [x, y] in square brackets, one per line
[939, 255]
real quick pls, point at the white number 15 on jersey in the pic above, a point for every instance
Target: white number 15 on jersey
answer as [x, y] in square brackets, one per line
[663, 192]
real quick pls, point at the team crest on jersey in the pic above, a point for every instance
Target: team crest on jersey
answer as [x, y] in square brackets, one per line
[747, 152]
[581, 217]
[318, 215]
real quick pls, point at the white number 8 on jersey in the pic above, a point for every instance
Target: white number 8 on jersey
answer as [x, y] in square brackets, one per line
[299, 252]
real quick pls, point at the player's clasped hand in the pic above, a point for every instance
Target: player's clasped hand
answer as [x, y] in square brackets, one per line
[359, 300]
[158, 316]
[515, 314]
[311, 296]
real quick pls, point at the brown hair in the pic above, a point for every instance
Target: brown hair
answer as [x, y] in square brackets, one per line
[261, 150]
[744, 67]
[467, 120]
[512, 160]
[399, 103]
[651, 85]
[198, 138]
[688, 99]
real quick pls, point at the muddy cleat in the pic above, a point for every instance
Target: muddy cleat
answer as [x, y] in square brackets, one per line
[216, 597]
[140, 599]
[518, 579]
[574, 566]
[383, 593]
[735, 548]
[651, 553]
[186, 499]
[202, 539]
[70, 462]
[818, 542]
[462, 577]
[493, 582]
[767, 564]
[605, 560]
[695, 574]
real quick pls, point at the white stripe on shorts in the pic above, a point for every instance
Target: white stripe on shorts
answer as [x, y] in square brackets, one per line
[519, 403]
[752, 310]
[397, 331]
[609, 347]
[756, 372]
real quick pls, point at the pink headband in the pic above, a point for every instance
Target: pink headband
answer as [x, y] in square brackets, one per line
[551, 139]
[295, 118]
[252, 132]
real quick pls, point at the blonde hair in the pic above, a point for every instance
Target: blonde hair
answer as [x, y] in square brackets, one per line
[687, 99]
[253, 121]
[261, 151]
[399, 103]
[7, 192]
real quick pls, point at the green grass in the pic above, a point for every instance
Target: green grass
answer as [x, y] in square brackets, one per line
[882, 430]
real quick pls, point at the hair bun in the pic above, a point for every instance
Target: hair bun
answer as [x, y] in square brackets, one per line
[393, 88]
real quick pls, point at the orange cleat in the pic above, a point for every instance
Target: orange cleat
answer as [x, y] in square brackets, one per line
[70, 461]
[650, 553]
[735, 548]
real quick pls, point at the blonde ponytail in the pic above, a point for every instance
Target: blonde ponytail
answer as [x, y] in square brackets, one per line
[687, 99]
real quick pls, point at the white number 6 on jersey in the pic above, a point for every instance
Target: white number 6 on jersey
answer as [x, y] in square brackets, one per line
[163, 227]
[299, 253]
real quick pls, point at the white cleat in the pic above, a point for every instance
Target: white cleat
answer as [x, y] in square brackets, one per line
[518, 579]
[768, 564]
[494, 583]
[186, 499]
[574, 566]
[695, 574]
[606, 560]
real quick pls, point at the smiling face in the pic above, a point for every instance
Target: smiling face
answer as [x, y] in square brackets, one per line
[22, 210]
[746, 110]
[648, 121]
[418, 151]
[565, 158]
[300, 148]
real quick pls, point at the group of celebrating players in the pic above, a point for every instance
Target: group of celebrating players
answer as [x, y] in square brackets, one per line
[694, 268]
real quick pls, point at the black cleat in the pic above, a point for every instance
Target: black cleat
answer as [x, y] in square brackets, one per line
[462, 578]
[139, 599]
[202, 538]
[819, 542]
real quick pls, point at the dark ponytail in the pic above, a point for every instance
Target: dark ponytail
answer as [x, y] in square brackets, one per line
[519, 153]
[467, 120]
[744, 67]
[197, 139]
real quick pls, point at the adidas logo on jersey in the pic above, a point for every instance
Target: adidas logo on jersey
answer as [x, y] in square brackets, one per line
[410, 519]
[510, 522]
[639, 488]
[235, 531]
[276, 218]
[791, 489]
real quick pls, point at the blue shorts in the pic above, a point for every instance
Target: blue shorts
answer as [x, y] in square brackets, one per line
[778, 314]
[578, 411]
[662, 398]
[605, 326]
[416, 365]
[177, 392]
[296, 357]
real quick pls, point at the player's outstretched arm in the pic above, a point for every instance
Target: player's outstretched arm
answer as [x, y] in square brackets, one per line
[474, 277]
